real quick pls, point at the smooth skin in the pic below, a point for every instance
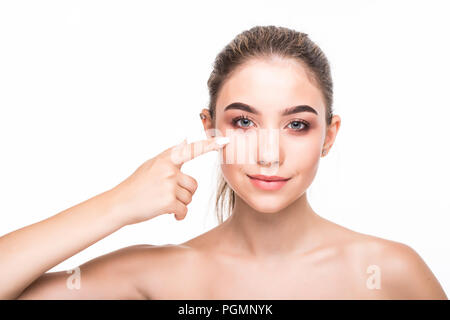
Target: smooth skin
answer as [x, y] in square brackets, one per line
[274, 246]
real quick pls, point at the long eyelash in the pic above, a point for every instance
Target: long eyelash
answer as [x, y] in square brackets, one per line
[244, 117]
[241, 117]
[305, 123]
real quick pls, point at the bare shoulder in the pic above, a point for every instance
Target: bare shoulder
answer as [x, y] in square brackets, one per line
[402, 271]
[164, 269]
[406, 274]
[114, 275]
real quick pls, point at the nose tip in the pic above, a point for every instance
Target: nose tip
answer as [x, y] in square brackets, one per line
[268, 167]
[266, 163]
[268, 147]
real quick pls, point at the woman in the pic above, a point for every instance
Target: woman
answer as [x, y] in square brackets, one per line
[269, 84]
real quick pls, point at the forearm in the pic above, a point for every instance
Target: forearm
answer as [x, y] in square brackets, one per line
[29, 252]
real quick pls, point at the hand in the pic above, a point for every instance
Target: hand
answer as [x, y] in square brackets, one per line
[158, 186]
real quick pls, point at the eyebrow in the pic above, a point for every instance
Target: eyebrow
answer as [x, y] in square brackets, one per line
[285, 112]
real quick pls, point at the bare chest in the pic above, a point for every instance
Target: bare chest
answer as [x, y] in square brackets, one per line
[338, 279]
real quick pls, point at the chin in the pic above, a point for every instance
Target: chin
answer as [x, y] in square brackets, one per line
[266, 204]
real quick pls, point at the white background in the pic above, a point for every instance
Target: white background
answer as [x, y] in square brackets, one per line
[91, 89]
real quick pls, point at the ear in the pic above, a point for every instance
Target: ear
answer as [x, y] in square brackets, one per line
[331, 134]
[208, 125]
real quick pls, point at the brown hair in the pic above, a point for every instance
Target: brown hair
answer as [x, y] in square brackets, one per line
[266, 42]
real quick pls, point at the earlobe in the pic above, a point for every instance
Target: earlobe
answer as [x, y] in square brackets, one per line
[204, 119]
[337, 122]
[205, 114]
[207, 123]
[331, 133]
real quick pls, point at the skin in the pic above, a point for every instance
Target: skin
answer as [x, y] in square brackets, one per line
[274, 246]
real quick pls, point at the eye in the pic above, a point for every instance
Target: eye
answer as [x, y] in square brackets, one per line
[244, 120]
[299, 125]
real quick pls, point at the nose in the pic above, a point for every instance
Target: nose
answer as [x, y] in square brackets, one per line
[268, 148]
[265, 163]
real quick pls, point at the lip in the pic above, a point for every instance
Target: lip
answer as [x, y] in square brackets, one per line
[275, 183]
[267, 178]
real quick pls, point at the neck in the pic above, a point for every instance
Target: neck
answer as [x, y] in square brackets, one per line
[287, 231]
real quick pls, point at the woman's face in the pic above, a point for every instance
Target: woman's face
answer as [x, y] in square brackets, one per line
[269, 142]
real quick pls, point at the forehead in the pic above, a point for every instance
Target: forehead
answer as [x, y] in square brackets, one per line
[270, 85]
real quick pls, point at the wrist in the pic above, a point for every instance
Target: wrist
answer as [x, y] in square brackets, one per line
[113, 208]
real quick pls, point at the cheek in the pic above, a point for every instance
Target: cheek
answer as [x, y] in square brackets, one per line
[303, 156]
[303, 161]
[233, 175]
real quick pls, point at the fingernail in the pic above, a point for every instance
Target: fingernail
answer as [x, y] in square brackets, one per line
[222, 140]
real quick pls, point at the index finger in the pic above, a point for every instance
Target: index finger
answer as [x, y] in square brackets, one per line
[187, 151]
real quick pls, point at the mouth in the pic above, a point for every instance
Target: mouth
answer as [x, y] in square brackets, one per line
[268, 182]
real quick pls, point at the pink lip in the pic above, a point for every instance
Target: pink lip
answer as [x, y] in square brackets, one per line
[267, 178]
[273, 182]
